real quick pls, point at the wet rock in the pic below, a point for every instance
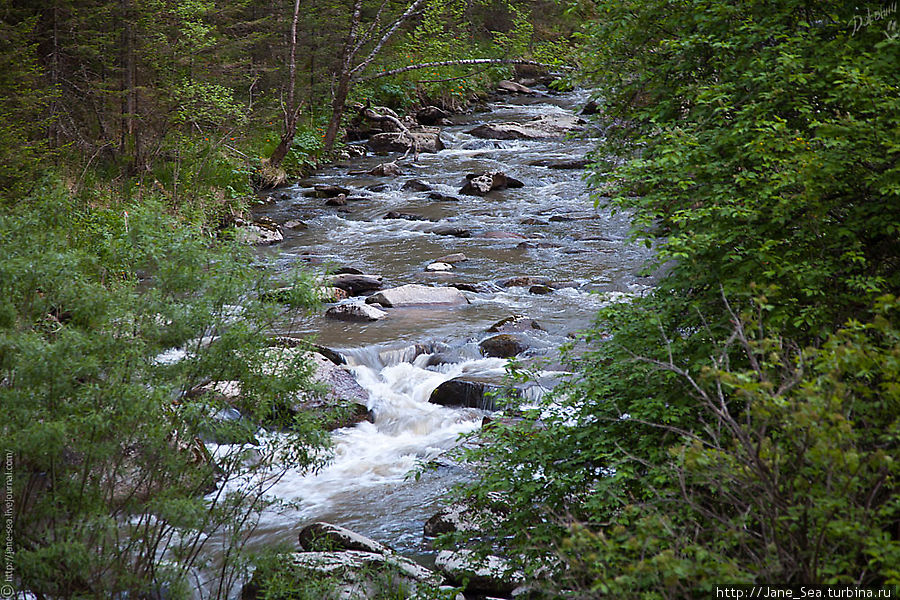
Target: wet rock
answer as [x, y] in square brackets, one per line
[405, 216]
[591, 108]
[533, 221]
[439, 266]
[452, 259]
[504, 345]
[464, 393]
[559, 285]
[416, 185]
[528, 245]
[295, 225]
[566, 218]
[472, 287]
[388, 169]
[347, 271]
[378, 187]
[356, 284]
[327, 191]
[479, 184]
[340, 200]
[442, 197]
[501, 235]
[543, 127]
[350, 575]
[511, 87]
[357, 313]
[427, 142]
[540, 289]
[451, 230]
[432, 115]
[418, 295]
[524, 281]
[262, 232]
[325, 537]
[487, 575]
[514, 324]
[570, 164]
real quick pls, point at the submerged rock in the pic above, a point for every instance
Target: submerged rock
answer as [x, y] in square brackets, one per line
[405, 216]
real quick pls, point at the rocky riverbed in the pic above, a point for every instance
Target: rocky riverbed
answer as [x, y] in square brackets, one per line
[448, 248]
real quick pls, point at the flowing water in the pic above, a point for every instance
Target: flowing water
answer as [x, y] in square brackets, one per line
[548, 228]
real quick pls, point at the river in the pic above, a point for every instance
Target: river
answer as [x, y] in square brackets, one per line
[548, 228]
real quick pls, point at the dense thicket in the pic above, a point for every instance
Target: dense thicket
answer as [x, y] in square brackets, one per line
[740, 423]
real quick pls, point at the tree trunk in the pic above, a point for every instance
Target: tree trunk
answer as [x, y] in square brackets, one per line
[291, 112]
[337, 110]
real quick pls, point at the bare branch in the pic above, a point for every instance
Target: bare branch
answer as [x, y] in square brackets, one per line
[409, 12]
[452, 63]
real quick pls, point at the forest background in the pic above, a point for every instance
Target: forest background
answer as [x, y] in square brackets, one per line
[738, 425]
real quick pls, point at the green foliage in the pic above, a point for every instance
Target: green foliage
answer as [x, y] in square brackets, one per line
[110, 320]
[739, 424]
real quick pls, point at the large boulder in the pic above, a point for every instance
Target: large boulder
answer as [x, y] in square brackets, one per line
[432, 115]
[504, 345]
[418, 295]
[325, 537]
[465, 516]
[485, 575]
[543, 127]
[262, 232]
[464, 393]
[356, 283]
[346, 575]
[358, 313]
[479, 184]
[426, 141]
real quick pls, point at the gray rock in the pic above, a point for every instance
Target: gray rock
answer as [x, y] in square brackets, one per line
[540, 289]
[568, 164]
[406, 216]
[296, 225]
[439, 267]
[512, 87]
[451, 230]
[515, 323]
[442, 197]
[356, 284]
[328, 191]
[540, 128]
[524, 281]
[359, 313]
[340, 200]
[504, 345]
[259, 233]
[428, 142]
[418, 295]
[452, 259]
[464, 393]
[325, 537]
[416, 185]
[487, 575]
[388, 169]
[432, 115]
[479, 184]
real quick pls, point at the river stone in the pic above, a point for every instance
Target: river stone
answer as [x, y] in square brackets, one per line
[501, 235]
[591, 108]
[514, 88]
[464, 393]
[359, 313]
[439, 267]
[388, 169]
[451, 230]
[431, 115]
[452, 259]
[568, 164]
[258, 233]
[442, 197]
[515, 323]
[405, 216]
[340, 200]
[352, 574]
[428, 142]
[416, 185]
[417, 295]
[524, 281]
[504, 345]
[295, 225]
[461, 517]
[479, 184]
[327, 191]
[540, 289]
[325, 537]
[356, 284]
[543, 127]
[487, 575]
